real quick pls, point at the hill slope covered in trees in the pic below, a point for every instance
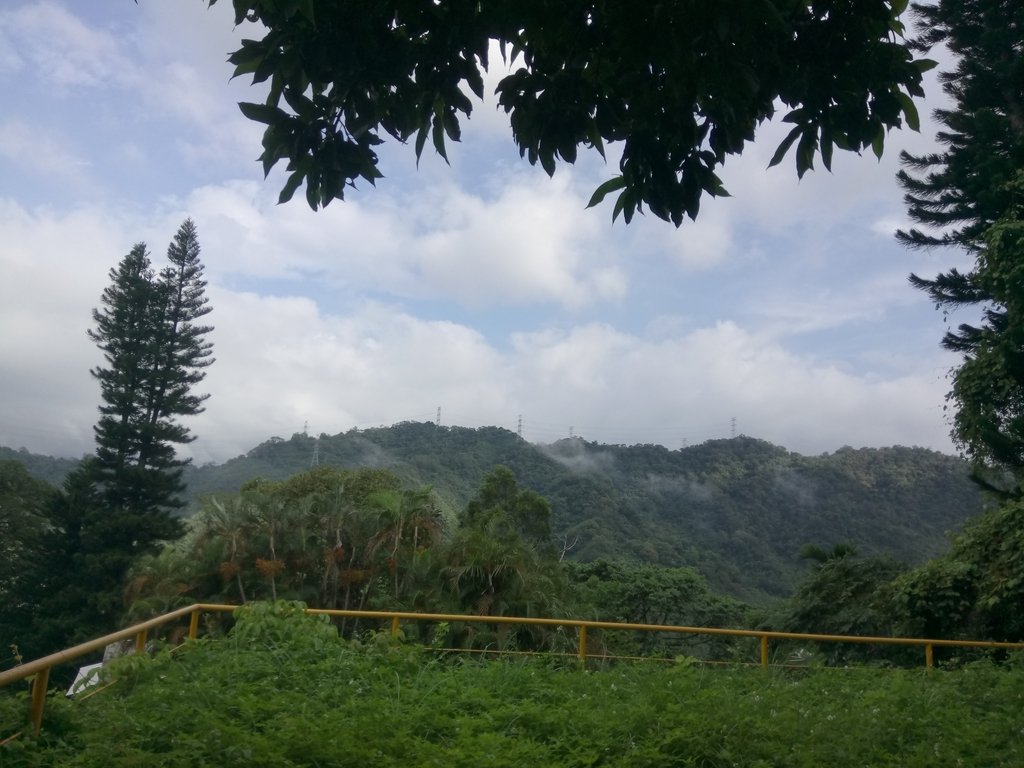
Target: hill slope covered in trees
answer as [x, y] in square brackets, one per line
[739, 510]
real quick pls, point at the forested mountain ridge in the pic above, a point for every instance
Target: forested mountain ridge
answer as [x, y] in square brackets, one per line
[737, 509]
[47, 468]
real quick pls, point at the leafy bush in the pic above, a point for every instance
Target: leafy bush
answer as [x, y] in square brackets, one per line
[280, 702]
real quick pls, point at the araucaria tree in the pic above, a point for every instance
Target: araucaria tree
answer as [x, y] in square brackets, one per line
[154, 344]
[968, 195]
[118, 504]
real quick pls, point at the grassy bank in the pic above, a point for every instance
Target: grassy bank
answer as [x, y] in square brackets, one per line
[284, 691]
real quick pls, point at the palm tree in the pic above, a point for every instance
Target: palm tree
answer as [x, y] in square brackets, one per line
[160, 583]
[226, 525]
[275, 520]
[331, 513]
[409, 520]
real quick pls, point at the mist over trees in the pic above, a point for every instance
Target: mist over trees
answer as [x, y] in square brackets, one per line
[969, 195]
[680, 97]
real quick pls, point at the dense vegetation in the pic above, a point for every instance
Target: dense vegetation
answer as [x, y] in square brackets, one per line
[969, 193]
[738, 510]
[69, 551]
[280, 688]
[283, 690]
[369, 538]
[356, 540]
[150, 328]
[49, 469]
[680, 88]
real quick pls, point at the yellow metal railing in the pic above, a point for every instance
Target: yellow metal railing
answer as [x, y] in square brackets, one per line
[41, 667]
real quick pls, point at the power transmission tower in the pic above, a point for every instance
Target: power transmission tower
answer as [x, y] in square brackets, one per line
[438, 422]
[519, 427]
[315, 462]
[570, 433]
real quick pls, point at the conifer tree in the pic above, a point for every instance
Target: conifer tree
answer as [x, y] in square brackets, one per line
[958, 195]
[155, 352]
[118, 504]
[181, 352]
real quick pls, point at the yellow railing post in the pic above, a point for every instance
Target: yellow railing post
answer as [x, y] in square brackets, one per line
[140, 642]
[394, 627]
[39, 684]
[929, 657]
[583, 645]
[193, 625]
[764, 651]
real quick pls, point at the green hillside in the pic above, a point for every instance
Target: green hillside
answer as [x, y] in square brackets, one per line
[739, 510]
[47, 468]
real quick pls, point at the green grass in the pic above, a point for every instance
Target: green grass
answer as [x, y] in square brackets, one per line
[288, 693]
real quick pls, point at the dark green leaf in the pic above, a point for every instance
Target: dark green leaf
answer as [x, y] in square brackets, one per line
[805, 152]
[878, 143]
[910, 112]
[784, 147]
[617, 182]
[290, 186]
[263, 113]
[826, 150]
[437, 134]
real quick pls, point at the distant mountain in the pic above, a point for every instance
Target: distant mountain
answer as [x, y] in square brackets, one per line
[48, 468]
[739, 510]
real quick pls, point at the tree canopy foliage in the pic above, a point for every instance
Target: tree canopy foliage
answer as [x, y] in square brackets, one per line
[155, 352]
[71, 552]
[23, 500]
[988, 386]
[961, 190]
[737, 510]
[681, 85]
[968, 195]
[977, 588]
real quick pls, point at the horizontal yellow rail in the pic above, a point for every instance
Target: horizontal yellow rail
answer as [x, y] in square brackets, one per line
[41, 667]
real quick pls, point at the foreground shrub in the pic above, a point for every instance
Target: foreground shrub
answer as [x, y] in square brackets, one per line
[284, 690]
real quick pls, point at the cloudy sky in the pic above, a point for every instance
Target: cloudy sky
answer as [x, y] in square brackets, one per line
[484, 289]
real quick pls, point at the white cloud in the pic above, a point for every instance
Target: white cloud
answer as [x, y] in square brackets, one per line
[283, 360]
[64, 52]
[378, 365]
[10, 61]
[796, 309]
[39, 150]
[627, 334]
[531, 243]
[53, 268]
[184, 50]
[616, 387]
